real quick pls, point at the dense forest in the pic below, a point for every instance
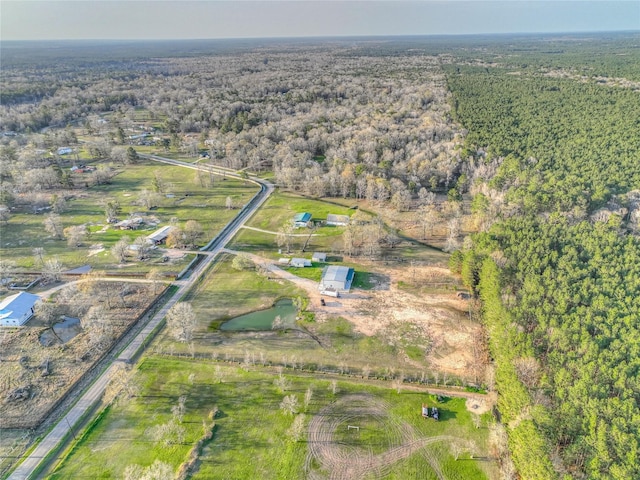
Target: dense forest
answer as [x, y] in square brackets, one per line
[539, 135]
[558, 274]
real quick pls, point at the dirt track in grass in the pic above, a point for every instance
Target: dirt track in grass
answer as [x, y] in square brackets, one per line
[340, 461]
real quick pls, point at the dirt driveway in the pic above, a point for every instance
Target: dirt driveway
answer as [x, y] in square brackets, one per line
[456, 341]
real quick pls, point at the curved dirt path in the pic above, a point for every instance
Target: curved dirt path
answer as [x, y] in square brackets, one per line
[345, 462]
[276, 233]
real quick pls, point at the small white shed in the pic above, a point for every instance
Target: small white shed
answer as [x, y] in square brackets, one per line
[300, 262]
[319, 257]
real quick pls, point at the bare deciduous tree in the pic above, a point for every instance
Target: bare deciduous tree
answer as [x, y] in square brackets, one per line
[285, 235]
[46, 312]
[53, 225]
[180, 408]
[7, 267]
[242, 261]
[52, 270]
[282, 383]
[123, 382]
[333, 387]
[192, 232]
[308, 395]
[155, 276]
[121, 248]
[296, 431]
[5, 214]
[142, 247]
[38, 255]
[289, 404]
[75, 234]
[181, 322]
[148, 198]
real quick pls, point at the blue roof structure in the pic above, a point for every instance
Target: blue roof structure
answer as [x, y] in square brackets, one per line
[302, 217]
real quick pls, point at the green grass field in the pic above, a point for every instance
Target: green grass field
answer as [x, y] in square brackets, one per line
[226, 292]
[251, 437]
[282, 206]
[186, 201]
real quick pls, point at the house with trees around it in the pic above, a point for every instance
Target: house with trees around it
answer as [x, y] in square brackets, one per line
[337, 220]
[336, 278]
[130, 223]
[302, 219]
[17, 309]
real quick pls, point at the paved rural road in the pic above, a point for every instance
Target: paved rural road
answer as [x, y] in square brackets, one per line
[94, 393]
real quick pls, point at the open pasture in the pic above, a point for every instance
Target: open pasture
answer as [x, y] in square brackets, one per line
[254, 436]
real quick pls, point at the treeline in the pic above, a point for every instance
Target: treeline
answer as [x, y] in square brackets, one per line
[562, 143]
[559, 284]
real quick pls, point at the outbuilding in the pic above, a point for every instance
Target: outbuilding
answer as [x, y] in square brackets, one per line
[300, 262]
[337, 220]
[319, 257]
[17, 309]
[302, 219]
[336, 278]
[160, 235]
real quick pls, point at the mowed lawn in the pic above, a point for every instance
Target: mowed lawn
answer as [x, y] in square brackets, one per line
[225, 292]
[279, 209]
[182, 198]
[251, 438]
[282, 206]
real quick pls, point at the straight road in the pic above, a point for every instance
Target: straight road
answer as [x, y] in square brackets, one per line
[91, 397]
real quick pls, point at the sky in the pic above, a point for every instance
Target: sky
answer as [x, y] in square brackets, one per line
[176, 19]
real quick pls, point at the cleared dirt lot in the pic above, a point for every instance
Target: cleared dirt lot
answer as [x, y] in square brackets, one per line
[44, 373]
[420, 300]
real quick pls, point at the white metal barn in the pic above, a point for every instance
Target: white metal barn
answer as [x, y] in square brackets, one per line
[336, 277]
[17, 309]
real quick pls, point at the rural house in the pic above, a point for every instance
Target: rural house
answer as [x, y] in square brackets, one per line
[17, 309]
[302, 219]
[337, 220]
[130, 223]
[336, 278]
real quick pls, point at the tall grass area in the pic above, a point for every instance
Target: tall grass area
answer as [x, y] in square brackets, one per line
[251, 437]
[182, 198]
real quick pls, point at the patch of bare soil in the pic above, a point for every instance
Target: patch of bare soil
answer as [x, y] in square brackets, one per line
[35, 377]
[439, 319]
[479, 406]
[338, 461]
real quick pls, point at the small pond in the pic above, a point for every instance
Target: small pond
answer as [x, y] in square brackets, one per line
[263, 319]
[62, 332]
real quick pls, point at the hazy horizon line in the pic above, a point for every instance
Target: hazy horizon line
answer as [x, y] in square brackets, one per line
[313, 37]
